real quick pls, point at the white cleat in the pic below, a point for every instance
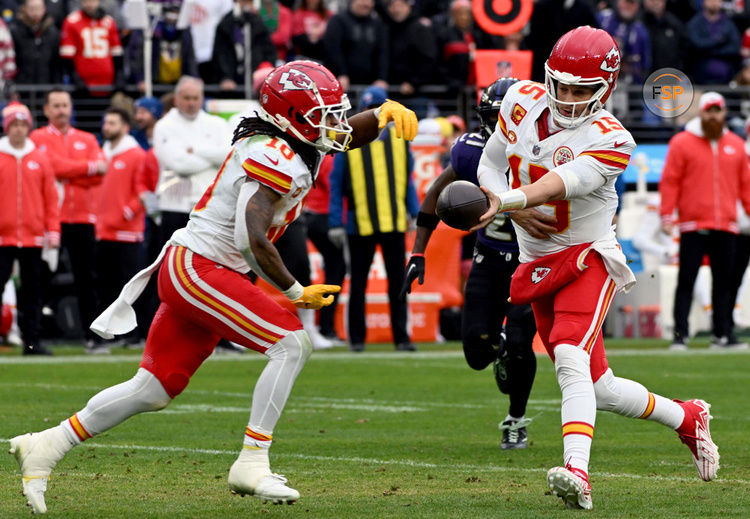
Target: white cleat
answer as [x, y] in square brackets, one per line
[251, 475]
[36, 458]
[574, 490]
[271, 487]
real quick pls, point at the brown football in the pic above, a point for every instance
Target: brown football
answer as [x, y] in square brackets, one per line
[461, 204]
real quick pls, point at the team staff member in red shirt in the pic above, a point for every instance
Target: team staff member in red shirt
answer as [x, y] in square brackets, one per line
[120, 216]
[29, 217]
[91, 49]
[78, 163]
[705, 174]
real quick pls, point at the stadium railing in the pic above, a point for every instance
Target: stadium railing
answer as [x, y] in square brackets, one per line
[627, 104]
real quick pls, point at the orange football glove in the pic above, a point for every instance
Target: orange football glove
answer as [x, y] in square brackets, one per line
[316, 296]
[404, 119]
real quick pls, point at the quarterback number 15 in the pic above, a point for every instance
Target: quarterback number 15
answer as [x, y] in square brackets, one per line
[561, 207]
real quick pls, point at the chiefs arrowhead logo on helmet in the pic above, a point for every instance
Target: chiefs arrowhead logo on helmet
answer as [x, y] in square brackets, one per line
[295, 80]
[539, 273]
[611, 62]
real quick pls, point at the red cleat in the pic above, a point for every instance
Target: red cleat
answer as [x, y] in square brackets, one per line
[694, 433]
[571, 485]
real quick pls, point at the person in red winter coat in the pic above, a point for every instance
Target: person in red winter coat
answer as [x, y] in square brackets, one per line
[705, 174]
[120, 215]
[78, 164]
[29, 218]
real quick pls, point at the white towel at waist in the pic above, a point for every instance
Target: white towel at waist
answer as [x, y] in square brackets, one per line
[119, 317]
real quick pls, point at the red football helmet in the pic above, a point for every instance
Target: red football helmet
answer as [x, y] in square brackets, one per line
[303, 99]
[587, 57]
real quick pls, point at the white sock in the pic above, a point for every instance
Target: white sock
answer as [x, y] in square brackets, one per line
[512, 419]
[578, 404]
[114, 405]
[286, 359]
[629, 398]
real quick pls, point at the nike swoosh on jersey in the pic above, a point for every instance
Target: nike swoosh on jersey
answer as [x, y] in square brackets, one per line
[276, 162]
[617, 144]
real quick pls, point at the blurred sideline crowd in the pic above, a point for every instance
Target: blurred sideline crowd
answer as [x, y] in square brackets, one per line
[405, 44]
[82, 213]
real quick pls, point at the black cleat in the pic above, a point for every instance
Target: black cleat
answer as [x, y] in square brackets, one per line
[514, 433]
[36, 349]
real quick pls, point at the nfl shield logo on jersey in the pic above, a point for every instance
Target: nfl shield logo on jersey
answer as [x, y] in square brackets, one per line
[539, 273]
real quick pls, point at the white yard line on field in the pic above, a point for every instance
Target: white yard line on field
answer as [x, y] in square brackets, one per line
[191, 408]
[406, 463]
[401, 357]
[314, 402]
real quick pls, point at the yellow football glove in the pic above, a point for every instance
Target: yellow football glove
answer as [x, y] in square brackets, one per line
[316, 296]
[405, 120]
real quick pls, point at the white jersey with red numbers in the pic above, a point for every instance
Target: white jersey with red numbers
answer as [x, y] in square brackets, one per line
[588, 158]
[267, 161]
[91, 43]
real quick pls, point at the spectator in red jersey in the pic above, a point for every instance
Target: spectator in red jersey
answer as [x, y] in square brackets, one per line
[120, 216]
[78, 163]
[309, 22]
[29, 218]
[37, 41]
[278, 19]
[91, 48]
[7, 57]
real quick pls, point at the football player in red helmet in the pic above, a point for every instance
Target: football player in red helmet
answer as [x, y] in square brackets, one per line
[204, 288]
[307, 102]
[565, 153]
[580, 75]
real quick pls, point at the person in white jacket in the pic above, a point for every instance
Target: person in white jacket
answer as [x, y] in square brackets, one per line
[190, 146]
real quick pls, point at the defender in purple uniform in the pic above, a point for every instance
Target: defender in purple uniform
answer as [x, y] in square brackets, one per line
[485, 339]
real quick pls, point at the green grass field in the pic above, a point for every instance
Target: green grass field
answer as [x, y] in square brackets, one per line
[379, 434]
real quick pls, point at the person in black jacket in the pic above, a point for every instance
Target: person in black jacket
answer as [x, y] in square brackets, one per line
[550, 20]
[413, 49]
[231, 45]
[37, 43]
[356, 43]
[668, 39]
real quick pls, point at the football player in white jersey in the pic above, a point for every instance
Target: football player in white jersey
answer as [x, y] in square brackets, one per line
[565, 152]
[203, 283]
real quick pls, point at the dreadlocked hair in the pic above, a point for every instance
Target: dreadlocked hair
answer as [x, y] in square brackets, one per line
[250, 126]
